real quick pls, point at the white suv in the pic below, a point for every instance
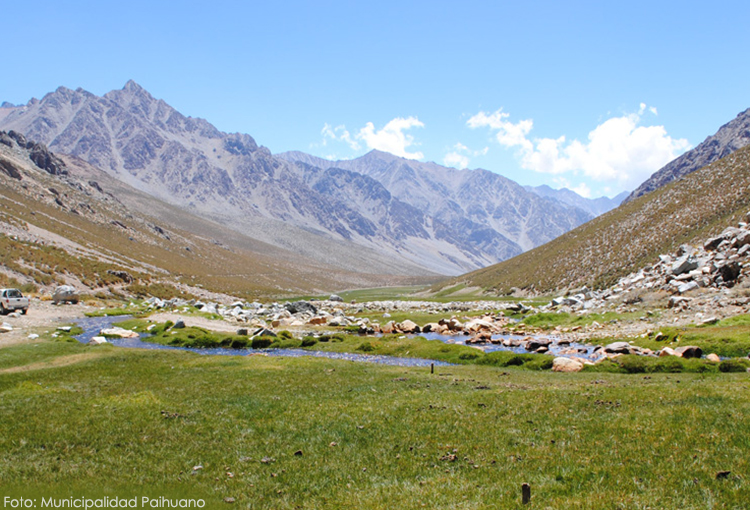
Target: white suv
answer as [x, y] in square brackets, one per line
[12, 299]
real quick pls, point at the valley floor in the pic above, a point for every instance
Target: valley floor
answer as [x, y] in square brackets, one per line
[270, 432]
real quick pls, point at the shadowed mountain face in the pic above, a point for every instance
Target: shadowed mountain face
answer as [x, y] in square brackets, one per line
[377, 214]
[731, 136]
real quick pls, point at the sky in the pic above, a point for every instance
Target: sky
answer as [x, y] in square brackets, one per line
[593, 96]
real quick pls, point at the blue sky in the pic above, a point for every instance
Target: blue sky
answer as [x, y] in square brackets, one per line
[592, 95]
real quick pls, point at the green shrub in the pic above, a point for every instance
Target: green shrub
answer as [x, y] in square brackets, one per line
[732, 365]
[261, 342]
[670, 364]
[240, 342]
[285, 335]
[366, 347]
[309, 341]
[468, 356]
[539, 363]
[632, 364]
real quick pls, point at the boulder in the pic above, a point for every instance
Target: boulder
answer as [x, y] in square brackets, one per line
[618, 348]
[65, 294]
[687, 287]
[534, 344]
[730, 271]
[689, 351]
[408, 326]
[336, 298]
[713, 358]
[566, 365]
[301, 306]
[180, 324]
[97, 340]
[476, 325]
[667, 351]
[684, 264]
[388, 328]
[317, 321]
[263, 332]
[122, 333]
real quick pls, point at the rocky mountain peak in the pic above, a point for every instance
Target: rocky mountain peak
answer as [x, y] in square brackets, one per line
[732, 136]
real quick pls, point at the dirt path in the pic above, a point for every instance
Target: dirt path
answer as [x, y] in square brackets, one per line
[42, 316]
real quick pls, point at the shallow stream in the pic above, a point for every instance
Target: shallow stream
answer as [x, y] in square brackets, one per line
[93, 325]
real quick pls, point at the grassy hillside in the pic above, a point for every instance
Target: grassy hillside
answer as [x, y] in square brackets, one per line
[631, 236]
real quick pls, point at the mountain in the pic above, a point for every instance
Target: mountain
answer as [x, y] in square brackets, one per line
[65, 221]
[628, 238]
[730, 137]
[471, 207]
[379, 214]
[593, 206]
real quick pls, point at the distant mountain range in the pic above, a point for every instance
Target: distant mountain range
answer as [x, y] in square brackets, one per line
[593, 206]
[377, 214]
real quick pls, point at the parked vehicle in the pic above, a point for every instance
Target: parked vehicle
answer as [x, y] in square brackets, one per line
[11, 300]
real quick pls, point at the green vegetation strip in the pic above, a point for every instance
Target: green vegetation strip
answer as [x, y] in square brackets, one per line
[413, 347]
[315, 433]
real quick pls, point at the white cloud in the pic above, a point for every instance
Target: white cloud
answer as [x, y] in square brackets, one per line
[456, 160]
[460, 156]
[339, 133]
[392, 137]
[583, 190]
[619, 150]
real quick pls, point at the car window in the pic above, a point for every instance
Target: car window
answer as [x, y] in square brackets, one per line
[14, 294]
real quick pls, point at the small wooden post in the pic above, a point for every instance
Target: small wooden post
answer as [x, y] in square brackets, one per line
[432, 368]
[525, 493]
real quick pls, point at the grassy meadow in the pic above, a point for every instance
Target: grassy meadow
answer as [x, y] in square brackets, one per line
[316, 433]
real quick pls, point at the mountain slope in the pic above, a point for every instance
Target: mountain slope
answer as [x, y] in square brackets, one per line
[62, 220]
[398, 217]
[730, 137]
[629, 237]
[471, 207]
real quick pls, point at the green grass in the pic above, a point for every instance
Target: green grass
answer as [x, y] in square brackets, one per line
[730, 337]
[370, 436]
[551, 320]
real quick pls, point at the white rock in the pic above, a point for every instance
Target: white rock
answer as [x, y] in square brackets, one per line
[566, 365]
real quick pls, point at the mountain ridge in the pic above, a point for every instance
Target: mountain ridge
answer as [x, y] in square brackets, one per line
[429, 221]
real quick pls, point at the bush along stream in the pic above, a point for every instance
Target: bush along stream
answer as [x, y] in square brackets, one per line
[394, 349]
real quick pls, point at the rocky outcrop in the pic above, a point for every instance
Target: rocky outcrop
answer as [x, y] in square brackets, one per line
[731, 136]
[38, 153]
[717, 263]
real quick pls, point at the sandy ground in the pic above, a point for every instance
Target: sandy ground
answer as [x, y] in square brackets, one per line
[42, 316]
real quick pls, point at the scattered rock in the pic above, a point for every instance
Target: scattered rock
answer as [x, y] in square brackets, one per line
[713, 358]
[561, 364]
[689, 351]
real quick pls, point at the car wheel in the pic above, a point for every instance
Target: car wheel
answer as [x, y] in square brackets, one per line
[23, 311]
[3, 310]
